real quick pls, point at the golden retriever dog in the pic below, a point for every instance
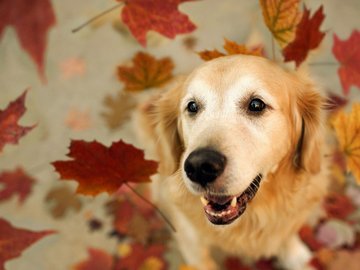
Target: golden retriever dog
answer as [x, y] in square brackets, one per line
[240, 145]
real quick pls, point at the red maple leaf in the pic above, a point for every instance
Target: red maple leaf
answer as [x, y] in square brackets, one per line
[10, 131]
[232, 263]
[13, 241]
[16, 182]
[161, 16]
[307, 235]
[31, 20]
[98, 168]
[141, 256]
[338, 206]
[97, 259]
[347, 52]
[308, 37]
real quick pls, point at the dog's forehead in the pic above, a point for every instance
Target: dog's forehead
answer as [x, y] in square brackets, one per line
[244, 73]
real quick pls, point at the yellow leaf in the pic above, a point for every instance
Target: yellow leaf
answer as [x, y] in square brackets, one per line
[145, 72]
[231, 48]
[281, 17]
[152, 263]
[347, 128]
[209, 55]
[124, 250]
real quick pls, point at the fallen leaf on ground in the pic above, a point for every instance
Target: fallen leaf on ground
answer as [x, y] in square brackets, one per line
[119, 109]
[338, 206]
[61, 200]
[347, 52]
[231, 48]
[97, 260]
[98, 168]
[31, 20]
[281, 17]
[347, 128]
[161, 16]
[139, 257]
[308, 37]
[15, 183]
[78, 120]
[13, 241]
[10, 131]
[233, 263]
[308, 236]
[146, 72]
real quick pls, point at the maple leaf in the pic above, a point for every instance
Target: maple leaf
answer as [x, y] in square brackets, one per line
[98, 168]
[161, 16]
[307, 235]
[233, 263]
[281, 17]
[231, 48]
[338, 206]
[13, 240]
[10, 131]
[134, 218]
[140, 256]
[146, 72]
[347, 128]
[16, 182]
[119, 109]
[97, 260]
[31, 20]
[347, 52]
[308, 37]
[61, 199]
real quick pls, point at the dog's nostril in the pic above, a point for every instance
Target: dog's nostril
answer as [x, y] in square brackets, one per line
[204, 165]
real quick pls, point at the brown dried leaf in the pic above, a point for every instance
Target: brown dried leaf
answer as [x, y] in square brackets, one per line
[61, 200]
[119, 109]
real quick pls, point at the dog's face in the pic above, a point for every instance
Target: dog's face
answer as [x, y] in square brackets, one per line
[237, 119]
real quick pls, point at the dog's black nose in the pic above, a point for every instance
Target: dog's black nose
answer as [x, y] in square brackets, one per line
[204, 165]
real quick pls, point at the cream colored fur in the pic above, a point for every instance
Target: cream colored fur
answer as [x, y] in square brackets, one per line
[291, 189]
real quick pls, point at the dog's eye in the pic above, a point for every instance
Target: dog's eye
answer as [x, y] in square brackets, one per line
[192, 107]
[256, 105]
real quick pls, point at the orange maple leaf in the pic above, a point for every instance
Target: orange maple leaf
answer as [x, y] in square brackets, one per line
[146, 72]
[98, 168]
[347, 128]
[281, 17]
[231, 48]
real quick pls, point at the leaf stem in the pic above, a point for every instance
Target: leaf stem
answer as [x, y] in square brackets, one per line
[152, 205]
[96, 17]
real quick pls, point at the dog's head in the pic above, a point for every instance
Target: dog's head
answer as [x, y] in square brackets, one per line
[231, 123]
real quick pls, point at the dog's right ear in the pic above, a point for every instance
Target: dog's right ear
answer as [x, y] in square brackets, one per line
[164, 112]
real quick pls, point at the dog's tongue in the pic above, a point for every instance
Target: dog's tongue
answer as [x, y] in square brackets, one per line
[221, 200]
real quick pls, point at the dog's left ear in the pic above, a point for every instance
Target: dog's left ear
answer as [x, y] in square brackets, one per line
[309, 135]
[166, 111]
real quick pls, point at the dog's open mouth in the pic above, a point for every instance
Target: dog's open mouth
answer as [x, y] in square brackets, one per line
[222, 210]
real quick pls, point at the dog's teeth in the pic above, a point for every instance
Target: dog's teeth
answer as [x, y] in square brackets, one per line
[233, 201]
[204, 201]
